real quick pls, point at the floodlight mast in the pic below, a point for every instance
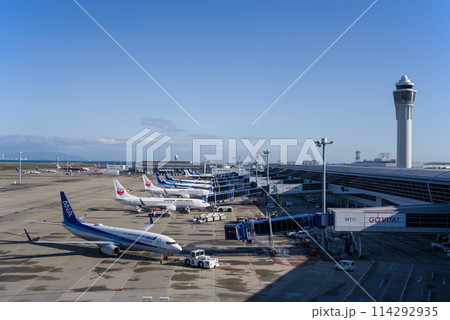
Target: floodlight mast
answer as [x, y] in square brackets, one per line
[266, 152]
[323, 143]
[20, 167]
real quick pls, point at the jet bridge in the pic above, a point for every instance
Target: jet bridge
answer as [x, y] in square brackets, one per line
[229, 195]
[250, 229]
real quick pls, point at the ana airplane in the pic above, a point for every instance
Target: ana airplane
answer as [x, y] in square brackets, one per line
[189, 173]
[162, 182]
[27, 172]
[99, 167]
[111, 239]
[184, 193]
[196, 182]
[170, 204]
[54, 171]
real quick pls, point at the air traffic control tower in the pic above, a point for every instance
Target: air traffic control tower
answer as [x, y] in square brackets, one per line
[404, 98]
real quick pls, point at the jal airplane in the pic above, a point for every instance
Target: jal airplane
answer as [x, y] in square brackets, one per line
[196, 182]
[170, 204]
[184, 193]
[54, 171]
[112, 239]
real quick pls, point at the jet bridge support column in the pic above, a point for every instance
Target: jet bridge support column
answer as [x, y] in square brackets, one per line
[270, 234]
[357, 242]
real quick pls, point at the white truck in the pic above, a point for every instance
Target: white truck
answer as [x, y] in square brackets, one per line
[198, 258]
[347, 265]
[209, 217]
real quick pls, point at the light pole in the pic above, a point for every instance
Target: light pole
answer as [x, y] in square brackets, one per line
[239, 165]
[256, 170]
[267, 163]
[323, 144]
[266, 152]
[215, 194]
[20, 167]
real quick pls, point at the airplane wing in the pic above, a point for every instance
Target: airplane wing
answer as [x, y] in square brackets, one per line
[44, 222]
[68, 242]
[146, 228]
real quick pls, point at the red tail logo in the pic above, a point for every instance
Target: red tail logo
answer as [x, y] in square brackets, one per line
[148, 184]
[120, 191]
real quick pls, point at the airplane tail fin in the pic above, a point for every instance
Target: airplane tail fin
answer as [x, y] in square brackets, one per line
[121, 193]
[148, 185]
[58, 166]
[68, 213]
[168, 177]
[159, 179]
[95, 166]
[28, 236]
[17, 169]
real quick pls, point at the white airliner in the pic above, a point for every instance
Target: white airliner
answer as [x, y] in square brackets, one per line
[170, 204]
[190, 174]
[172, 184]
[195, 182]
[185, 193]
[70, 168]
[27, 172]
[111, 239]
[39, 170]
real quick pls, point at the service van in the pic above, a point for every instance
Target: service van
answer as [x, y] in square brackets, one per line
[346, 265]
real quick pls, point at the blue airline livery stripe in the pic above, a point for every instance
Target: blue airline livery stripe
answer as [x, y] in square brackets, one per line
[115, 238]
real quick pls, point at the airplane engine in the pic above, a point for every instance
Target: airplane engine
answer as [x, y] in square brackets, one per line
[110, 250]
[185, 195]
[171, 208]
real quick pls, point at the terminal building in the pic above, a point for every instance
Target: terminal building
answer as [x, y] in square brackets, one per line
[359, 200]
[355, 187]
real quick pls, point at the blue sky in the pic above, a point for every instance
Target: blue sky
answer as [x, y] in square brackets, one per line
[66, 86]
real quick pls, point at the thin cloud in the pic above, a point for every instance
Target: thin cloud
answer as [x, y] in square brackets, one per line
[110, 141]
[204, 136]
[160, 124]
[104, 148]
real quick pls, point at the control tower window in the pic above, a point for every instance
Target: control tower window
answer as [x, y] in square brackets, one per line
[404, 96]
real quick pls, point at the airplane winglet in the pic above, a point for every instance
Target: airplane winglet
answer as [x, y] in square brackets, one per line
[151, 219]
[142, 202]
